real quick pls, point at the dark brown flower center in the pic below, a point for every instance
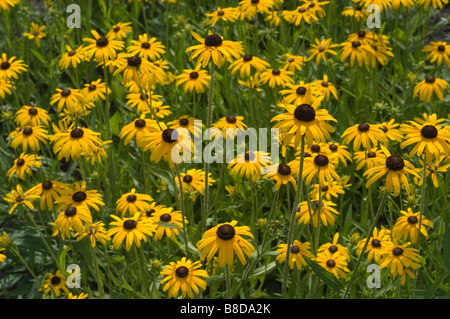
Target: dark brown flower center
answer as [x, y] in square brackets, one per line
[226, 232]
[139, 123]
[102, 42]
[397, 251]
[249, 156]
[361, 34]
[184, 121]
[325, 188]
[384, 129]
[231, 119]
[170, 135]
[295, 249]
[187, 179]
[284, 169]
[129, 224]
[144, 97]
[332, 249]
[321, 160]
[248, 57]
[213, 40]
[92, 87]
[66, 92]
[301, 90]
[324, 84]
[145, 45]
[150, 212]
[131, 198]
[165, 218]
[305, 113]
[430, 79]
[19, 199]
[182, 272]
[321, 48]
[315, 148]
[376, 243]
[220, 13]
[5, 65]
[333, 147]
[32, 111]
[72, 53]
[20, 162]
[331, 263]
[358, 8]
[429, 131]
[70, 212]
[356, 44]
[77, 133]
[413, 220]
[441, 48]
[79, 196]
[47, 185]
[134, 61]
[363, 127]
[116, 29]
[291, 60]
[371, 154]
[301, 10]
[276, 72]
[193, 75]
[395, 163]
[255, 1]
[27, 131]
[55, 281]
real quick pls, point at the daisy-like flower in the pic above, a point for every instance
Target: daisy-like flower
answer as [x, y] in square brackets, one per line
[274, 18]
[184, 275]
[250, 8]
[2, 256]
[226, 240]
[429, 136]
[140, 127]
[17, 197]
[358, 13]
[80, 296]
[435, 3]
[407, 226]
[23, 166]
[381, 53]
[335, 248]
[293, 62]
[95, 90]
[245, 64]
[391, 130]
[399, 257]
[428, 86]
[94, 231]
[297, 254]
[356, 51]
[320, 49]
[396, 170]
[333, 263]
[369, 158]
[187, 123]
[433, 168]
[11, 68]
[31, 116]
[396, 4]
[71, 57]
[120, 30]
[194, 181]
[298, 93]
[233, 190]
[71, 98]
[146, 47]
[167, 216]
[276, 77]
[165, 142]
[343, 156]
[215, 48]
[305, 212]
[375, 246]
[317, 165]
[328, 190]
[252, 82]
[282, 174]
[195, 79]
[6, 5]
[48, 192]
[300, 14]
[305, 119]
[315, 6]
[365, 134]
[102, 49]
[72, 218]
[36, 33]
[29, 137]
[231, 122]
[55, 283]
[135, 69]
[6, 88]
[438, 52]
[326, 88]
[250, 165]
[132, 230]
[133, 203]
[77, 196]
[383, 4]
[142, 101]
[224, 14]
[75, 143]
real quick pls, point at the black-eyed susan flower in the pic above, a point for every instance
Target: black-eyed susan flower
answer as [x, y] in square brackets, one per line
[154, 209]
[245, 64]
[320, 49]
[224, 14]
[215, 48]
[356, 51]
[429, 136]
[335, 248]
[71, 98]
[6, 88]
[30, 137]
[407, 226]
[328, 190]
[375, 246]
[306, 212]
[133, 203]
[319, 166]
[77, 195]
[75, 143]
[357, 12]
[55, 283]
[383, 4]
[230, 124]
[438, 52]
[135, 69]
[71, 57]
[146, 47]
[293, 62]
[11, 68]
[281, 174]
[132, 230]
[102, 49]
[398, 257]
[18, 197]
[168, 216]
[252, 82]
[140, 127]
[22, 166]
[120, 30]
[369, 158]
[333, 263]
[94, 231]
[188, 123]
[72, 218]
[250, 164]
[396, 4]
[435, 166]
[396, 170]
[184, 275]
[95, 90]
[31, 116]
[391, 130]
[226, 239]
[429, 87]
[298, 93]
[274, 18]
[300, 14]
[436, 3]
[276, 77]
[250, 8]
[6, 5]
[365, 134]
[298, 252]
[194, 181]
[326, 88]
[194, 80]
[142, 101]
[36, 33]
[233, 190]
[343, 155]
[48, 192]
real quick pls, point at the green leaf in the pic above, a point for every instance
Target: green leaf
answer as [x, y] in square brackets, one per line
[166, 176]
[168, 225]
[263, 270]
[114, 121]
[328, 278]
[39, 57]
[62, 261]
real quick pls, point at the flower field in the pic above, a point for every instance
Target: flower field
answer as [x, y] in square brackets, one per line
[227, 149]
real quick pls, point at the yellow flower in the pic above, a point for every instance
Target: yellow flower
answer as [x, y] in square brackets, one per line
[102, 48]
[71, 57]
[192, 80]
[298, 252]
[95, 231]
[120, 30]
[319, 50]
[36, 33]
[29, 137]
[225, 14]
[146, 48]
[18, 197]
[132, 230]
[167, 216]
[375, 246]
[438, 51]
[55, 283]
[72, 218]
[245, 64]
[407, 226]
[23, 165]
[133, 203]
[11, 68]
[333, 263]
[430, 85]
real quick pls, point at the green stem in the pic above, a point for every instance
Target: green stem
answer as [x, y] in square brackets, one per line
[97, 273]
[43, 238]
[18, 256]
[228, 281]
[183, 210]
